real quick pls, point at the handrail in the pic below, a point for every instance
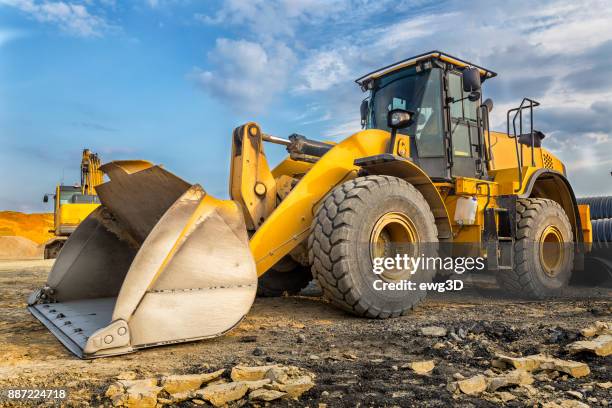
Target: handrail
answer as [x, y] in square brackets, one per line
[518, 112]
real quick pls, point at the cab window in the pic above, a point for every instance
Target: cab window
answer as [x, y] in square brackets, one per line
[463, 117]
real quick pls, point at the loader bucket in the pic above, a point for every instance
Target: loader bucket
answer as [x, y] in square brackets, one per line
[159, 262]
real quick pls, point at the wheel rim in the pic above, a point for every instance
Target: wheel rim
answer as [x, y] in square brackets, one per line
[551, 250]
[392, 234]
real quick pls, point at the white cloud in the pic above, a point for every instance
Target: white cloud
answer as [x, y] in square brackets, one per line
[572, 27]
[72, 18]
[270, 18]
[245, 73]
[323, 70]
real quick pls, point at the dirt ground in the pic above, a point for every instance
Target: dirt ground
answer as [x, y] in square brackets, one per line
[358, 362]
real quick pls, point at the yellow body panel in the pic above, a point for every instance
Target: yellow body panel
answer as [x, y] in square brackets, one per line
[585, 220]
[71, 215]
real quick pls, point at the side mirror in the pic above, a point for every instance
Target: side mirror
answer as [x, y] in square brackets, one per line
[399, 119]
[474, 96]
[363, 109]
[45, 198]
[471, 80]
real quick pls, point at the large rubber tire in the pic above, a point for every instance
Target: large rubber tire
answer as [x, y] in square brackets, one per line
[339, 244]
[528, 278]
[287, 277]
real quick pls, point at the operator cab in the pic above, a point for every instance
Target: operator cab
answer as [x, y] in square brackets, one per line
[443, 95]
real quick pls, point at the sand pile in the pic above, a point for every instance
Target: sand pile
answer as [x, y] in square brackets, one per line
[20, 248]
[22, 236]
[34, 227]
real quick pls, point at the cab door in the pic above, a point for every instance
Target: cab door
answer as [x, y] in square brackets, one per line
[462, 127]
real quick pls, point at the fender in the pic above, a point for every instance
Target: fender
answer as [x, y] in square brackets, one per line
[392, 165]
[551, 184]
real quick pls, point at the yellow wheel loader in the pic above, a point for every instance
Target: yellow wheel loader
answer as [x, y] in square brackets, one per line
[72, 204]
[161, 261]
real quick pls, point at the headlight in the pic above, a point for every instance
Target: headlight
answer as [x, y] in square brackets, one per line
[399, 119]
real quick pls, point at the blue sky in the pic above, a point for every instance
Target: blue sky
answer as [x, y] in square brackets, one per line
[168, 80]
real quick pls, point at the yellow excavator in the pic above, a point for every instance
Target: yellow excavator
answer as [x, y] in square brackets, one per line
[72, 204]
[161, 261]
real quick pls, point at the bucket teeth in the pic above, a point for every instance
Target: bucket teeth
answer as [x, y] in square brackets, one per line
[159, 260]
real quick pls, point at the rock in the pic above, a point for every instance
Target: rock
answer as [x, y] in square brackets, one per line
[470, 386]
[174, 384]
[265, 395]
[601, 345]
[277, 374]
[433, 331]
[295, 387]
[574, 368]
[247, 373]
[180, 397]
[565, 404]
[422, 367]
[593, 400]
[438, 346]
[505, 396]
[140, 393]
[349, 356]
[575, 394]
[539, 362]
[605, 385]
[314, 357]
[134, 393]
[522, 363]
[458, 376]
[542, 377]
[597, 328]
[301, 338]
[114, 389]
[221, 394]
[498, 363]
[248, 339]
[258, 352]
[127, 375]
[198, 401]
[515, 377]
[254, 385]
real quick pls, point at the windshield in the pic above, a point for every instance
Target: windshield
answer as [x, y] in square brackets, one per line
[416, 92]
[67, 192]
